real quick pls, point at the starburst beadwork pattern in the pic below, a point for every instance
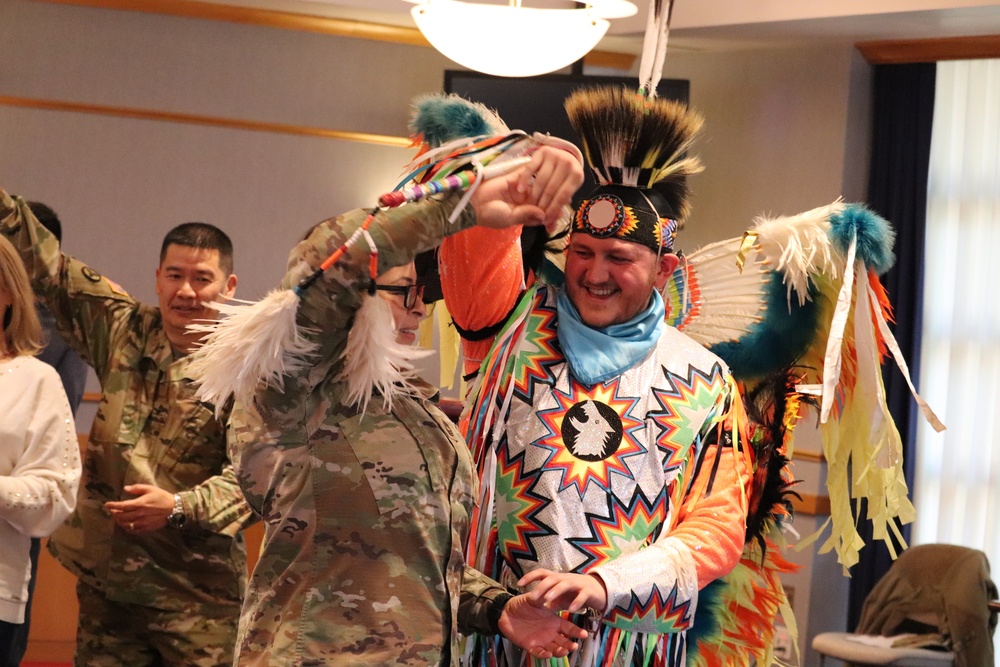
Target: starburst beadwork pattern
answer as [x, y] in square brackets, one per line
[668, 615]
[577, 472]
[685, 395]
[517, 508]
[625, 528]
[537, 352]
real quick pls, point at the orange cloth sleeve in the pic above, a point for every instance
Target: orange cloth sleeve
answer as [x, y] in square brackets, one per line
[481, 279]
[713, 525]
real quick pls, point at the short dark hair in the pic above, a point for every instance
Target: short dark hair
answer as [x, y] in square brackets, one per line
[201, 235]
[47, 217]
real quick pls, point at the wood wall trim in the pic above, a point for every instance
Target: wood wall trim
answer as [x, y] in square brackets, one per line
[611, 59]
[894, 52]
[811, 504]
[811, 457]
[196, 119]
[272, 18]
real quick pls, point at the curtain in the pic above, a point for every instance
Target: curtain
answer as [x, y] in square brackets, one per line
[957, 486]
[903, 105]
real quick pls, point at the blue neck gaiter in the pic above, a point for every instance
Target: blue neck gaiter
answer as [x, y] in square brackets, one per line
[597, 355]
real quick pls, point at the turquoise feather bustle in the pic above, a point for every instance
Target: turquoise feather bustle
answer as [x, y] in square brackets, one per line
[707, 625]
[777, 340]
[874, 233]
[443, 118]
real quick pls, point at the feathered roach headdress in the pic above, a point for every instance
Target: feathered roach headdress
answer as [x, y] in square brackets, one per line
[636, 148]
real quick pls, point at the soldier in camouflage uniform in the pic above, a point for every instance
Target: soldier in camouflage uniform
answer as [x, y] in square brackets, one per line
[155, 539]
[366, 514]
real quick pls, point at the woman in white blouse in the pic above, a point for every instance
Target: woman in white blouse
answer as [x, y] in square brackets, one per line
[39, 455]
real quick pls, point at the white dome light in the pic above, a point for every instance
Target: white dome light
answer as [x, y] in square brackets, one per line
[513, 40]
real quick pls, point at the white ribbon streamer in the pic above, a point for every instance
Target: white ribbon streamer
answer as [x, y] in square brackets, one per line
[897, 354]
[835, 343]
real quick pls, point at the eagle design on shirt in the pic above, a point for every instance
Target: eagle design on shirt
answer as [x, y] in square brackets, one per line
[593, 434]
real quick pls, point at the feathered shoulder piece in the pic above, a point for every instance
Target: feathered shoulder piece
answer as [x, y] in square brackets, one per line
[803, 292]
[638, 142]
[440, 119]
[452, 134]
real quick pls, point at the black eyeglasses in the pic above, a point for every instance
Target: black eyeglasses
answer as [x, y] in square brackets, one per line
[410, 293]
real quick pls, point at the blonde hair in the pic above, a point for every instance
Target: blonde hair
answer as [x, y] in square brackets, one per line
[22, 332]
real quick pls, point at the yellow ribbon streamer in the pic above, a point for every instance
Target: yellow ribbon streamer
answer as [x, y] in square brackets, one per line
[748, 242]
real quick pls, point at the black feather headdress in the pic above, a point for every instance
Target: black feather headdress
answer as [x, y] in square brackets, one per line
[637, 149]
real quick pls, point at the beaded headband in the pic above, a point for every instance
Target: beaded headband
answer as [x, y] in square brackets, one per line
[627, 214]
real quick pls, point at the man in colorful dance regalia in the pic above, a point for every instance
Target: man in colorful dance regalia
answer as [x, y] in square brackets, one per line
[626, 477]
[613, 473]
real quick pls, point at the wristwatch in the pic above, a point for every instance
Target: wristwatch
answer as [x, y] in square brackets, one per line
[177, 519]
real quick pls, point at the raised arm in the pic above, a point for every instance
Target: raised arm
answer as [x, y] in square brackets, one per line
[87, 308]
[481, 269]
[535, 194]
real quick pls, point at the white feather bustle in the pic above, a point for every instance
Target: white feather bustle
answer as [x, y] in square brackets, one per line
[727, 299]
[253, 342]
[374, 361]
[799, 245]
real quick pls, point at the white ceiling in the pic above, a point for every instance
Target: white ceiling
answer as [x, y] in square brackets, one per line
[728, 24]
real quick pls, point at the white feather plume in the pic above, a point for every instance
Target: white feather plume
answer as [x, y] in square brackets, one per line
[799, 245]
[373, 360]
[723, 301]
[654, 45]
[253, 342]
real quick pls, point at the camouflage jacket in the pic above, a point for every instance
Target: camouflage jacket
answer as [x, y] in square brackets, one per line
[149, 429]
[365, 515]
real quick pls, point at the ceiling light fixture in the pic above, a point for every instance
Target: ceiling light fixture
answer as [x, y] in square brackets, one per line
[513, 40]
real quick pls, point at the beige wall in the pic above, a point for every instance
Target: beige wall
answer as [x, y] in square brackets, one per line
[780, 126]
[786, 130]
[119, 183]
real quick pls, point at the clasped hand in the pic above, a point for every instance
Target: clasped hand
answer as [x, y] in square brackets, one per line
[532, 620]
[539, 630]
[535, 194]
[565, 591]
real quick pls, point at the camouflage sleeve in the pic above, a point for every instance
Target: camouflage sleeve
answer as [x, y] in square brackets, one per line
[476, 602]
[88, 308]
[327, 308]
[218, 504]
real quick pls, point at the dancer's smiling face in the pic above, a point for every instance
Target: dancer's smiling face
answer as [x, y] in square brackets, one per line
[610, 281]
